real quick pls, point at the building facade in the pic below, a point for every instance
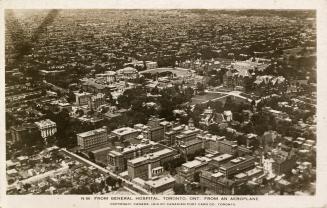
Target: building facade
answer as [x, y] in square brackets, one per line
[93, 138]
[46, 127]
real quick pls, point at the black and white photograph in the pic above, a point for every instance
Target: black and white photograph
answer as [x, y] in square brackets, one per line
[169, 102]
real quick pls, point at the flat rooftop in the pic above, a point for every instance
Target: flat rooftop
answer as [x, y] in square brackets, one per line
[160, 181]
[92, 132]
[222, 157]
[192, 164]
[236, 161]
[157, 154]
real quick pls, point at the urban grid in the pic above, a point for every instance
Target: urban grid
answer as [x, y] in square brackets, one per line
[171, 102]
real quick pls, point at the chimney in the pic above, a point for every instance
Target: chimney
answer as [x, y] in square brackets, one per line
[150, 171]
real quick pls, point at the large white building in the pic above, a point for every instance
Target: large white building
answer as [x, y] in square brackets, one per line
[47, 127]
[108, 77]
[93, 138]
[127, 73]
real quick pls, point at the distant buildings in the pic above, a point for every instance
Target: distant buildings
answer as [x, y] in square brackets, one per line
[155, 128]
[127, 73]
[108, 77]
[96, 101]
[82, 98]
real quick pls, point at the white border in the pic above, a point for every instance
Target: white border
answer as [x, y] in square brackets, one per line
[319, 200]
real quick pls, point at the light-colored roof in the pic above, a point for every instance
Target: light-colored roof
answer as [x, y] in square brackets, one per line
[44, 123]
[192, 164]
[160, 182]
[157, 154]
[217, 175]
[124, 131]
[139, 181]
[222, 157]
[92, 132]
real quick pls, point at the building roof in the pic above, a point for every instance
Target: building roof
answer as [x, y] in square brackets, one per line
[253, 171]
[235, 162]
[192, 164]
[160, 181]
[127, 70]
[156, 154]
[124, 131]
[45, 123]
[217, 175]
[101, 149]
[92, 132]
[222, 157]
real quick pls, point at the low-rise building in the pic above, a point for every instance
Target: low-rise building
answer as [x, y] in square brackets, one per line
[127, 73]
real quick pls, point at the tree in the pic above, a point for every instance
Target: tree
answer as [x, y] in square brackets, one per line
[196, 177]
[70, 97]
[179, 189]
[228, 103]
[200, 87]
[189, 93]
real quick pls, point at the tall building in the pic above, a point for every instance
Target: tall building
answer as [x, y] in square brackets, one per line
[237, 165]
[117, 159]
[46, 127]
[93, 138]
[149, 165]
[158, 127]
[283, 162]
[216, 182]
[227, 146]
[187, 171]
[211, 142]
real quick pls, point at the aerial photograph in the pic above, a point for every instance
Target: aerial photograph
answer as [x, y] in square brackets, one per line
[160, 102]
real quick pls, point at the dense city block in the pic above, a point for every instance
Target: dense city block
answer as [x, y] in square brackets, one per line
[173, 102]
